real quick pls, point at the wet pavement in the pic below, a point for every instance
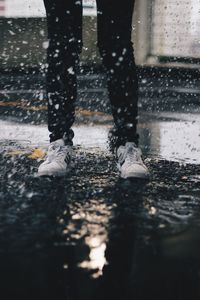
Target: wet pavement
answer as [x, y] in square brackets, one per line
[90, 235]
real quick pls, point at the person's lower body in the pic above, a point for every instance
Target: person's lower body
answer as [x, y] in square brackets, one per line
[64, 24]
[114, 23]
[116, 49]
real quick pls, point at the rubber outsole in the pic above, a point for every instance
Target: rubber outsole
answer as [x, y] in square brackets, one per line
[53, 174]
[136, 176]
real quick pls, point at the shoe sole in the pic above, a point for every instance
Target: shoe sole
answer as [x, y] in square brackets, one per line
[136, 176]
[53, 174]
[49, 174]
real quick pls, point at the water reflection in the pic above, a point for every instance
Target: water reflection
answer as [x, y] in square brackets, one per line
[97, 258]
[173, 137]
[168, 136]
[92, 236]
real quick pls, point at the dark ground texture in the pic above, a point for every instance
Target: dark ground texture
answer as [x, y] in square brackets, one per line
[91, 235]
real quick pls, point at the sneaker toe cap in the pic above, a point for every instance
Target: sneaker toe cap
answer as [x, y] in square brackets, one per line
[134, 171]
[51, 169]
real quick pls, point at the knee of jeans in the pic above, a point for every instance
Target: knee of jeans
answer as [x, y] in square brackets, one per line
[59, 53]
[116, 56]
[79, 46]
[116, 42]
[59, 45]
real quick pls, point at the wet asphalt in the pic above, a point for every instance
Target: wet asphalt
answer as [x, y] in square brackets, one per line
[90, 235]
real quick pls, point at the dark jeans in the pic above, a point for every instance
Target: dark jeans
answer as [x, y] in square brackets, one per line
[114, 23]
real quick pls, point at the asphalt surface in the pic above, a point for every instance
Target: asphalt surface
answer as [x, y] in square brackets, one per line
[91, 235]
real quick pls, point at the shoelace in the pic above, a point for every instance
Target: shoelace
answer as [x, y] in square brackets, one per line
[130, 155]
[57, 152]
[133, 155]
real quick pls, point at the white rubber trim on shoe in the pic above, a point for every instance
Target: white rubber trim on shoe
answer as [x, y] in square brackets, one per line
[136, 175]
[56, 174]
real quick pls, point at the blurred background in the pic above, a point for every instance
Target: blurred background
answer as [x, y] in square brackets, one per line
[89, 235]
[164, 32]
[166, 36]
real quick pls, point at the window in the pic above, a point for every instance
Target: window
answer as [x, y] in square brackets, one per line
[175, 29]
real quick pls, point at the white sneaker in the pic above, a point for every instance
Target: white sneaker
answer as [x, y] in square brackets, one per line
[130, 163]
[57, 161]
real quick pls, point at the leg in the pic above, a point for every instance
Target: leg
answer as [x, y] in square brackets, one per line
[115, 46]
[64, 23]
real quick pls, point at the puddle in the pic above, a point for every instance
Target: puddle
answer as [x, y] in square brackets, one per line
[90, 235]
